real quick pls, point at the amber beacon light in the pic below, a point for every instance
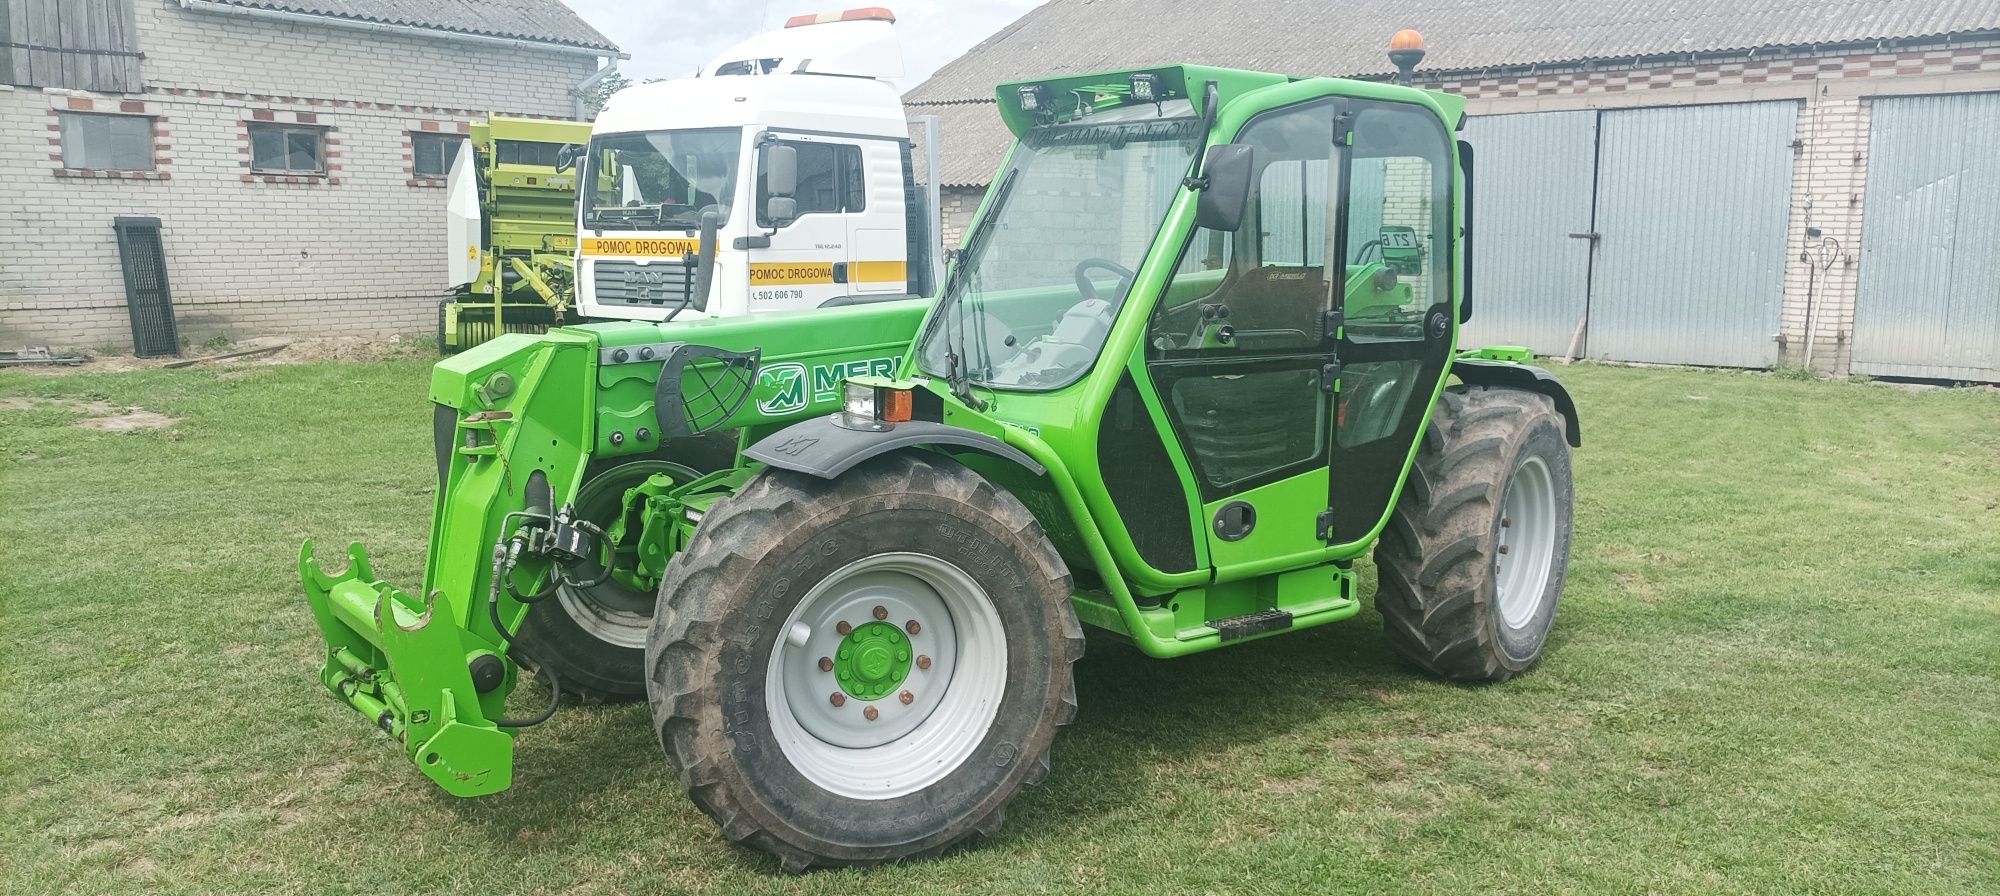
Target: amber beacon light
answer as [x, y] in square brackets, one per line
[1406, 49]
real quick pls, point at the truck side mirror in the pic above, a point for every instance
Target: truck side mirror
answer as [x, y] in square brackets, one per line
[781, 180]
[1228, 169]
[566, 156]
[780, 210]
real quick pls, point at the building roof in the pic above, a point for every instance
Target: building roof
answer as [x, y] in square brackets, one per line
[1349, 38]
[541, 21]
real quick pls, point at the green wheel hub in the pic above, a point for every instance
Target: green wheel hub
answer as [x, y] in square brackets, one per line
[872, 661]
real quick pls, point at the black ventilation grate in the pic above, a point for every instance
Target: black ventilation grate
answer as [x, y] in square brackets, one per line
[146, 295]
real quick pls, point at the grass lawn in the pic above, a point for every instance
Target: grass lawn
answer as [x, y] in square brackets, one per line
[1776, 670]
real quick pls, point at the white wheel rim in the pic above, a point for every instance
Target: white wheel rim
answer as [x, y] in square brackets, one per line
[608, 612]
[1527, 541]
[603, 622]
[906, 746]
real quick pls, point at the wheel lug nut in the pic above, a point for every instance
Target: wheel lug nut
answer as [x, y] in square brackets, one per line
[1506, 522]
[843, 628]
[1503, 549]
[913, 626]
[870, 714]
[881, 612]
[906, 697]
[838, 698]
[923, 661]
[826, 664]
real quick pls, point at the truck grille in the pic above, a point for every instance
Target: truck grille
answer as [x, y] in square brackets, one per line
[662, 284]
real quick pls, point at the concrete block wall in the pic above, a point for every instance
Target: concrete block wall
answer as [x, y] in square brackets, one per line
[356, 250]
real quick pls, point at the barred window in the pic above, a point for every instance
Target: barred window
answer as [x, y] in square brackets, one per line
[433, 153]
[107, 142]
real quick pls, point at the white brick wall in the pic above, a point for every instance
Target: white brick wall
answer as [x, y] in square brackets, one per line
[357, 251]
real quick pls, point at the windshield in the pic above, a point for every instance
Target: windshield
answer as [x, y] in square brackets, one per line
[660, 180]
[1032, 296]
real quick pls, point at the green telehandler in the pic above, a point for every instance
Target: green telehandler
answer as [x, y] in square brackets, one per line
[1194, 360]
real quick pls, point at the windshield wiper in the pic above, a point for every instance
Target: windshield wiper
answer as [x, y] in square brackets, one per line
[958, 368]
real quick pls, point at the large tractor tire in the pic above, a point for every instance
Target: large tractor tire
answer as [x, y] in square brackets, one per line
[1473, 560]
[862, 670]
[593, 640]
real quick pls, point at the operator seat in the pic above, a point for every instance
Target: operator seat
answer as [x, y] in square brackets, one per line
[1237, 425]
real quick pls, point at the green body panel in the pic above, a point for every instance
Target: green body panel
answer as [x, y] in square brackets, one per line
[510, 408]
[555, 403]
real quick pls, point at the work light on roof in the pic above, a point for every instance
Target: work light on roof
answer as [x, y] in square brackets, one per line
[1034, 98]
[1146, 87]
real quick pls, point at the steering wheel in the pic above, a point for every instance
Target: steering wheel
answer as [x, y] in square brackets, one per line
[1088, 289]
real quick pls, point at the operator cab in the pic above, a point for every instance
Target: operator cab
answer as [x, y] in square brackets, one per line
[1285, 353]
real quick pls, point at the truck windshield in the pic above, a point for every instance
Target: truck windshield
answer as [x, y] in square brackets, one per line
[1032, 296]
[659, 180]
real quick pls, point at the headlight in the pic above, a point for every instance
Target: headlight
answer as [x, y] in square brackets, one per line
[873, 408]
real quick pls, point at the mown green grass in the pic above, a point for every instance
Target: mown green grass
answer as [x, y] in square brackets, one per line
[1776, 670]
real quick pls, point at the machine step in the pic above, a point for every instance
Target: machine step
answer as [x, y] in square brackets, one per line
[1250, 624]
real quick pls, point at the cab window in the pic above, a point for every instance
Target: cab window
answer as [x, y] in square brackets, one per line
[830, 179]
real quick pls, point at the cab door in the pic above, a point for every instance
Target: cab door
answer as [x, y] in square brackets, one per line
[1239, 347]
[877, 245]
[1395, 326]
[806, 262]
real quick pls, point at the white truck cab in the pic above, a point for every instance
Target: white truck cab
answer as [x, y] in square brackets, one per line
[791, 148]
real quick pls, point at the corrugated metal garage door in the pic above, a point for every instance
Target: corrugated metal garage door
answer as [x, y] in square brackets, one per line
[1691, 206]
[1531, 189]
[1929, 302]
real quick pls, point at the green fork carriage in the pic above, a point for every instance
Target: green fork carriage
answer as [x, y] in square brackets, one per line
[1196, 358]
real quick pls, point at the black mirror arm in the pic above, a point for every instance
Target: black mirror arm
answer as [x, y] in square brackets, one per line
[1210, 97]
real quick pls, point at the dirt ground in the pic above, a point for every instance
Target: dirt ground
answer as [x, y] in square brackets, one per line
[296, 350]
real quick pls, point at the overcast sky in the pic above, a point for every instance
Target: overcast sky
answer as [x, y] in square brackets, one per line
[672, 39]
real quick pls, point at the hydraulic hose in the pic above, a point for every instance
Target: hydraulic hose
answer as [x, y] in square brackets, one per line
[503, 561]
[503, 568]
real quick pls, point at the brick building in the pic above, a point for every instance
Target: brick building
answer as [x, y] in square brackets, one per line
[1745, 183]
[293, 154]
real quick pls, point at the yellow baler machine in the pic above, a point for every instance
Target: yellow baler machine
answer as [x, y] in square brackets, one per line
[513, 231]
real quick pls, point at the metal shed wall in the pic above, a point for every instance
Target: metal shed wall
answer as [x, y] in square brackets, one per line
[1692, 204]
[1929, 298]
[1532, 188]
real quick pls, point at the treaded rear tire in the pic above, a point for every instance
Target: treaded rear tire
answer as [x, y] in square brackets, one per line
[756, 558]
[1437, 588]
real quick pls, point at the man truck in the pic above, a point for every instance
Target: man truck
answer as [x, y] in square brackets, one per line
[670, 162]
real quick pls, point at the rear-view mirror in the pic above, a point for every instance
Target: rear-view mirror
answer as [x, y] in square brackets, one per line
[781, 170]
[780, 210]
[1228, 168]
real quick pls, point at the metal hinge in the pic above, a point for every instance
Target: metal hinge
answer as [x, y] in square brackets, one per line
[1323, 528]
[1329, 377]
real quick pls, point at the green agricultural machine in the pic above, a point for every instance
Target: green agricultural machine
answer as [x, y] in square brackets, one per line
[512, 232]
[1196, 358]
